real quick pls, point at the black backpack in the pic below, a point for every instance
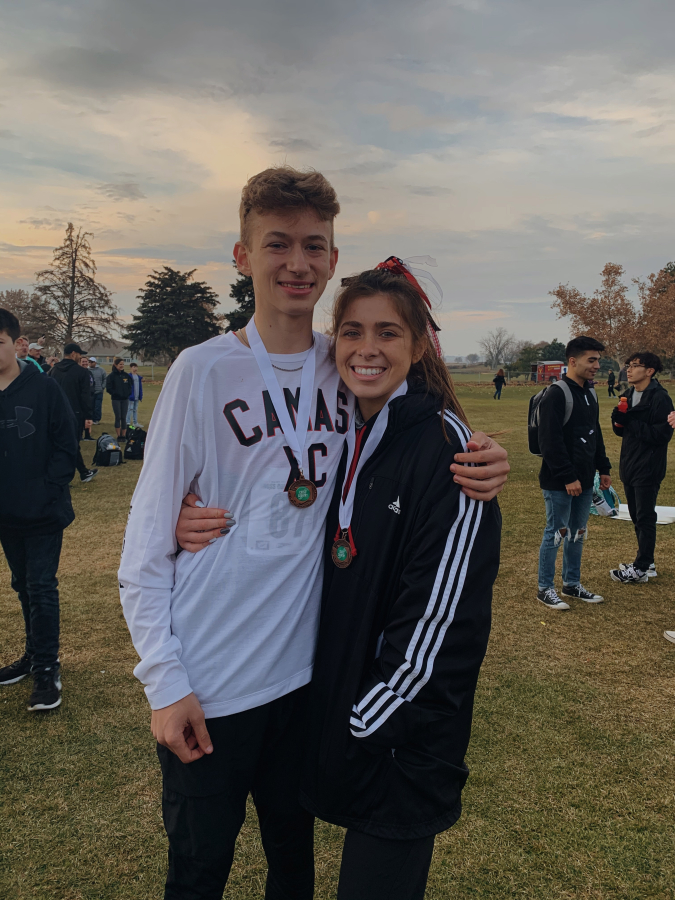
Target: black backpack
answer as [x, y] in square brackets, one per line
[108, 451]
[135, 443]
[533, 413]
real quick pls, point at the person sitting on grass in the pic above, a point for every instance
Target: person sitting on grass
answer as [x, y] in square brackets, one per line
[39, 448]
[645, 434]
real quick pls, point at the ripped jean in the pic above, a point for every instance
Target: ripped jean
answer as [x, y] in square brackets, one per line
[566, 520]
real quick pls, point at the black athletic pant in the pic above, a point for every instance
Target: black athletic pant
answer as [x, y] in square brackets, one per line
[641, 501]
[378, 869]
[610, 390]
[260, 752]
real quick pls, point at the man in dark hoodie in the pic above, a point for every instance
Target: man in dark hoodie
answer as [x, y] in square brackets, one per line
[38, 447]
[645, 433]
[76, 384]
[572, 447]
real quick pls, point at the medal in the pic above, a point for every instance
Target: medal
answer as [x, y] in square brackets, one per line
[343, 550]
[302, 493]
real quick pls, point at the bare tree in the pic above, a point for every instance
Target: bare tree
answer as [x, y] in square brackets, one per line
[75, 307]
[498, 346]
[29, 309]
[472, 358]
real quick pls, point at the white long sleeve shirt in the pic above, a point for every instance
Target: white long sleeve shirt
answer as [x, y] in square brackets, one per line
[237, 622]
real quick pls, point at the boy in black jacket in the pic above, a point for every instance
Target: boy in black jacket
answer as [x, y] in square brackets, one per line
[76, 384]
[38, 446]
[572, 451]
[646, 432]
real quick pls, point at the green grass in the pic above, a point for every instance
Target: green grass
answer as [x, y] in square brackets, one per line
[572, 754]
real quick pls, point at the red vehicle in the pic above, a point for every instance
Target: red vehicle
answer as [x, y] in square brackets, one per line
[548, 370]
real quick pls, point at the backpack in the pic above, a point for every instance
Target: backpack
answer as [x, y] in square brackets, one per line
[533, 413]
[108, 451]
[135, 443]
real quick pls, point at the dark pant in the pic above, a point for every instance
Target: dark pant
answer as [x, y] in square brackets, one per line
[33, 562]
[610, 390]
[497, 394]
[641, 501]
[98, 406]
[377, 869]
[120, 409]
[260, 752]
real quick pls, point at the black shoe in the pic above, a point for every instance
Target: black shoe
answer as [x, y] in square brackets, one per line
[550, 598]
[629, 575]
[88, 438]
[580, 592]
[15, 671]
[46, 690]
[88, 475]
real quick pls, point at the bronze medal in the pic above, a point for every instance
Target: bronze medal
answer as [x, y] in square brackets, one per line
[302, 493]
[341, 552]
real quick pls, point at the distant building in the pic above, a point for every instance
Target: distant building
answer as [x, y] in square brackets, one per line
[106, 351]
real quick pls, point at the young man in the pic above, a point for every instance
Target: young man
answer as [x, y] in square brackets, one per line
[99, 374]
[228, 635]
[38, 447]
[136, 395]
[645, 433]
[572, 451]
[611, 381]
[76, 385]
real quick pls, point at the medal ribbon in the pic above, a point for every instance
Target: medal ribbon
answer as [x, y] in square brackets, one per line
[294, 441]
[376, 435]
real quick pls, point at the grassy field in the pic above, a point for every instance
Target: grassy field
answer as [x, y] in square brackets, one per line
[572, 754]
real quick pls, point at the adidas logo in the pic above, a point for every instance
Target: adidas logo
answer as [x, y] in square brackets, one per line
[395, 506]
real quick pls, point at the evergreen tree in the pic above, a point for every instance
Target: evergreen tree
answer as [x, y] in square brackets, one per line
[242, 294]
[554, 350]
[71, 305]
[174, 313]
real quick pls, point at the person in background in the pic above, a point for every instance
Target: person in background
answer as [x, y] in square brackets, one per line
[52, 361]
[38, 446]
[22, 345]
[670, 635]
[136, 395]
[623, 380]
[77, 388]
[99, 375]
[645, 432]
[35, 352]
[118, 385]
[571, 452]
[499, 381]
[611, 381]
[84, 362]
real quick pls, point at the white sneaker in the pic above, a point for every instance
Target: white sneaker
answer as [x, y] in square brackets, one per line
[669, 636]
[651, 571]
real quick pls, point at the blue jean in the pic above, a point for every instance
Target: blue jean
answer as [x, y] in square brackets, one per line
[33, 562]
[98, 406]
[566, 521]
[132, 413]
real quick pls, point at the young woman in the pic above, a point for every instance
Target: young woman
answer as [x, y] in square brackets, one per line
[499, 381]
[118, 385]
[409, 568]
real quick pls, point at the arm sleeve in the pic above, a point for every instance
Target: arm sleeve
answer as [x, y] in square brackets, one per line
[108, 383]
[659, 433]
[602, 463]
[551, 438]
[147, 569]
[63, 437]
[437, 630]
[84, 387]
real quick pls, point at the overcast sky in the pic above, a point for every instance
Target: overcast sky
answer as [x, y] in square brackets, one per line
[521, 144]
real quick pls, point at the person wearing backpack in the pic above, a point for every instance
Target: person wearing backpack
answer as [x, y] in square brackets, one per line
[572, 449]
[645, 433]
[118, 385]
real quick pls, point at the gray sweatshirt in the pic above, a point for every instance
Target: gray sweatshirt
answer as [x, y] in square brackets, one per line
[99, 375]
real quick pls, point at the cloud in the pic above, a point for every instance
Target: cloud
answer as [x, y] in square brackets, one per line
[127, 190]
[429, 190]
[293, 145]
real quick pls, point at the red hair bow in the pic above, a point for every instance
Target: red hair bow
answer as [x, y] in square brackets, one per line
[398, 267]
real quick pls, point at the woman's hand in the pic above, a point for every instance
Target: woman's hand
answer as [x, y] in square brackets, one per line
[487, 476]
[197, 526]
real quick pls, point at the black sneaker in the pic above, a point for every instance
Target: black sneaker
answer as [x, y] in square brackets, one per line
[629, 575]
[580, 592]
[88, 475]
[88, 438]
[15, 671]
[46, 690]
[550, 598]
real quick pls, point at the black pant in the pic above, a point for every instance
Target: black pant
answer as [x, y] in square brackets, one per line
[33, 562]
[260, 752]
[641, 501]
[377, 869]
[120, 408]
[610, 390]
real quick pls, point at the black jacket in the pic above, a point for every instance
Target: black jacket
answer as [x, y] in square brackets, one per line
[76, 384]
[611, 379]
[38, 450]
[118, 384]
[573, 452]
[646, 435]
[402, 636]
